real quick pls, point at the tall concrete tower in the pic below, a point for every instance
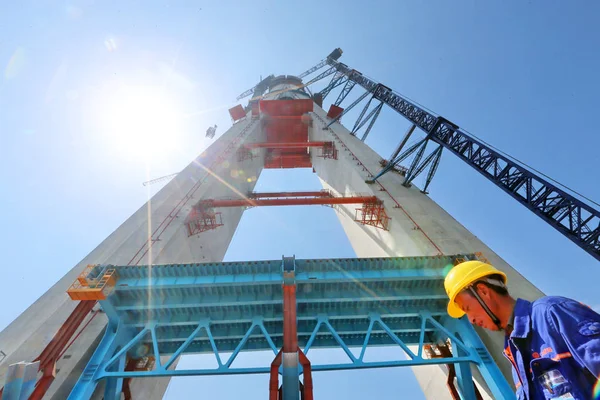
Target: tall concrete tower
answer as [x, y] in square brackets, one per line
[194, 217]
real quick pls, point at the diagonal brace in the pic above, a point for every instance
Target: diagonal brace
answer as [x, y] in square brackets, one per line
[398, 159]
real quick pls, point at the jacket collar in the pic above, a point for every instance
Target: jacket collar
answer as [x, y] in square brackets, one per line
[522, 319]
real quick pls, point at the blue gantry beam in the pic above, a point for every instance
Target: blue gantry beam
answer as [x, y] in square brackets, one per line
[217, 308]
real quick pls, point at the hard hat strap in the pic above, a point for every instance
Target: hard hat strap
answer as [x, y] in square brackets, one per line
[489, 312]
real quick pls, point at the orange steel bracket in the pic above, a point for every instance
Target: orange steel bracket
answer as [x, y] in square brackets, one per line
[274, 379]
[60, 342]
[93, 289]
[307, 387]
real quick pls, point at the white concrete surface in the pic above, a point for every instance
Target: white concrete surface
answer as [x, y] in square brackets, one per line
[419, 228]
[26, 337]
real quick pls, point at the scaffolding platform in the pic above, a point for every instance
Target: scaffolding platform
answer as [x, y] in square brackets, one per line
[215, 308]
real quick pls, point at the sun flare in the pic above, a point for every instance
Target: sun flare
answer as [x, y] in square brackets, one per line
[141, 122]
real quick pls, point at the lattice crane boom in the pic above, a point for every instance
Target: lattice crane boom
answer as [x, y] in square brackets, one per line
[575, 219]
[309, 71]
[262, 86]
[246, 93]
[160, 179]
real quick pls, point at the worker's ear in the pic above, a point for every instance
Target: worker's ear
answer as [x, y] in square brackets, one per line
[483, 291]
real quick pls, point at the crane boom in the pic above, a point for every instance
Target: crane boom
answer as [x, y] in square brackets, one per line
[259, 89]
[246, 93]
[572, 217]
[309, 71]
[262, 86]
[160, 179]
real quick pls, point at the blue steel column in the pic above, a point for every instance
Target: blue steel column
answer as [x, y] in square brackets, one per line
[487, 367]
[464, 376]
[115, 336]
[20, 381]
[114, 386]
[291, 373]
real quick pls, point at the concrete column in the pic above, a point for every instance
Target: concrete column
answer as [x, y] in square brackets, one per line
[418, 227]
[26, 337]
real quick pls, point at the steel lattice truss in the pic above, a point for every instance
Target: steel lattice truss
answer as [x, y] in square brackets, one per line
[575, 219]
[168, 310]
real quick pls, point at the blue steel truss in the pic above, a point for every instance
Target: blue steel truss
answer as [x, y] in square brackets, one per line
[336, 81]
[575, 219]
[216, 308]
[348, 86]
[362, 119]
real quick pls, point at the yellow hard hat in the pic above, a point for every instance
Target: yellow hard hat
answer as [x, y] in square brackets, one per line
[463, 275]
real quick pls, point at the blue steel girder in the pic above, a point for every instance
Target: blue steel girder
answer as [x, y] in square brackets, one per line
[576, 220]
[271, 294]
[218, 308]
[237, 314]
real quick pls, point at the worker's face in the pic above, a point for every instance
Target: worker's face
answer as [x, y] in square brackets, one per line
[475, 312]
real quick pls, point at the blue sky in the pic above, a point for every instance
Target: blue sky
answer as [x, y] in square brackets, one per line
[521, 75]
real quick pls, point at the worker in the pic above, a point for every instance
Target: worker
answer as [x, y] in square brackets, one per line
[553, 343]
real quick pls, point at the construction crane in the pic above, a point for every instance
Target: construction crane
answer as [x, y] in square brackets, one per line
[161, 179]
[309, 71]
[257, 90]
[263, 85]
[575, 219]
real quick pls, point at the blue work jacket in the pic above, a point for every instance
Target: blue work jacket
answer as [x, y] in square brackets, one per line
[554, 348]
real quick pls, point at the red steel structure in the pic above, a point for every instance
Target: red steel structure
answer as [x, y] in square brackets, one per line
[284, 123]
[269, 195]
[284, 145]
[441, 351]
[290, 351]
[328, 150]
[291, 200]
[58, 345]
[203, 217]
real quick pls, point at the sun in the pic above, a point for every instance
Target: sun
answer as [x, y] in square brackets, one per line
[141, 122]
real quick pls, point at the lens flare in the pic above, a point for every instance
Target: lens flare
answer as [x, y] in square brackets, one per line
[140, 122]
[447, 269]
[110, 44]
[15, 63]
